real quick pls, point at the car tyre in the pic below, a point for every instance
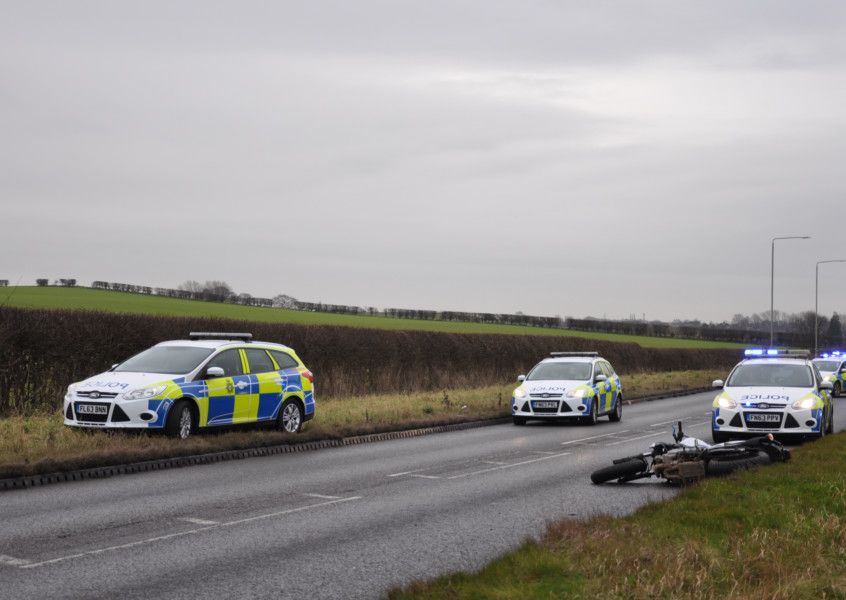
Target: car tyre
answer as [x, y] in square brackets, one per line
[592, 417]
[837, 390]
[616, 415]
[181, 420]
[830, 427]
[519, 420]
[291, 417]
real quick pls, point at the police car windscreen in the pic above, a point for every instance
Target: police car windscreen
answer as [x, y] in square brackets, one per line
[771, 376]
[560, 370]
[165, 359]
[826, 365]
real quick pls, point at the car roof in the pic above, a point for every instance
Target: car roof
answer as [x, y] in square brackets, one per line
[566, 359]
[779, 361]
[215, 344]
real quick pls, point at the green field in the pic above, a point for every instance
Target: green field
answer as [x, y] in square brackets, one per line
[778, 532]
[121, 302]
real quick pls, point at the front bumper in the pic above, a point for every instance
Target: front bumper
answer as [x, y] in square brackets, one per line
[112, 414]
[745, 421]
[550, 408]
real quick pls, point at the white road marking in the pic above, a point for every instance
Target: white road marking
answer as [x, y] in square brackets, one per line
[425, 476]
[12, 561]
[198, 521]
[699, 423]
[509, 465]
[493, 462]
[595, 437]
[541, 452]
[31, 565]
[325, 497]
[637, 438]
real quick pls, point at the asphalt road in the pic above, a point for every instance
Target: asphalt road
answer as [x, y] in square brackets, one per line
[341, 523]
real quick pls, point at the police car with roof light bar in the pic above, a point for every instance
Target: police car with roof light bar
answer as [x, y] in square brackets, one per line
[832, 367]
[773, 391]
[580, 385]
[208, 380]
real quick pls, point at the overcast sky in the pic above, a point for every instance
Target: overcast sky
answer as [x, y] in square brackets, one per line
[572, 158]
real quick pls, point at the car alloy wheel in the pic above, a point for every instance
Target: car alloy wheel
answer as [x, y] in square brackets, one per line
[291, 417]
[185, 423]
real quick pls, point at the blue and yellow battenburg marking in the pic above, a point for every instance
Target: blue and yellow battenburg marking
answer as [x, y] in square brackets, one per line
[238, 399]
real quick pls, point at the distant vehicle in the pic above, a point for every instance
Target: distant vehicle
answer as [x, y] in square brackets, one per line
[579, 385]
[832, 367]
[773, 391]
[209, 380]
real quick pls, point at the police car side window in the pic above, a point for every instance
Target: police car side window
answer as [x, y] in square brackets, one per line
[285, 361]
[259, 361]
[229, 361]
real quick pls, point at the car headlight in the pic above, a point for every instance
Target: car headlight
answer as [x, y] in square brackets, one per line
[726, 402]
[145, 393]
[71, 389]
[830, 378]
[519, 393]
[804, 403]
[579, 393]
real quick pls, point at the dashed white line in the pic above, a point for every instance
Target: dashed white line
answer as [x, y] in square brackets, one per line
[541, 452]
[640, 437]
[12, 561]
[32, 565]
[595, 437]
[424, 476]
[493, 462]
[324, 496]
[196, 521]
[509, 465]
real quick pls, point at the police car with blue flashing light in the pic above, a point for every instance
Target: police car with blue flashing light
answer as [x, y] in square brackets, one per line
[832, 367]
[773, 391]
[579, 385]
[208, 380]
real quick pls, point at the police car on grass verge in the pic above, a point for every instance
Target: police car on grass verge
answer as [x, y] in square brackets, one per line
[773, 391]
[211, 379]
[569, 384]
[832, 367]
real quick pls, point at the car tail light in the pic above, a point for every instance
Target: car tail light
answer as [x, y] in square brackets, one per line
[308, 375]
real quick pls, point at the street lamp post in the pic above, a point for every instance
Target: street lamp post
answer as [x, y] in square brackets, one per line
[817, 302]
[772, 281]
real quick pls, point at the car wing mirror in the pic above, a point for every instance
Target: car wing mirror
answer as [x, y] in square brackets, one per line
[521, 378]
[600, 378]
[215, 372]
[112, 368]
[718, 383]
[826, 385]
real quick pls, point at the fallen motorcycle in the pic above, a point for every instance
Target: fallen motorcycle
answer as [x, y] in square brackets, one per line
[690, 459]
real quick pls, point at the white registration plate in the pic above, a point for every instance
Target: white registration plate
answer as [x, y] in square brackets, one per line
[753, 418]
[545, 404]
[92, 409]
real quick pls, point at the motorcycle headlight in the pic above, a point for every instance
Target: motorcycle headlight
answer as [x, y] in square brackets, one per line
[804, 403]
[519, 393]
[580, 393]
[145, 393]
[726, 402]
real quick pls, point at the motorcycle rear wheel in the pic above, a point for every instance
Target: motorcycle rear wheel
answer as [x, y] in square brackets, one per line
[723, 466]
[628, 468]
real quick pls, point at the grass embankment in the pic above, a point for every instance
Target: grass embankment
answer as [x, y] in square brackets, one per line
[776, 533]
[122, 302]
[41, 443]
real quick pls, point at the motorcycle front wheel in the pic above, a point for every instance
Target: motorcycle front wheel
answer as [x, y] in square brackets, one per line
[628, 468]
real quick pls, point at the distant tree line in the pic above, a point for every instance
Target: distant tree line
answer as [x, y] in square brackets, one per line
[210, 291]
[57, 282]
[4, 283]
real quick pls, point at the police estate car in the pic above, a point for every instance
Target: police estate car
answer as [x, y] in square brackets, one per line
[211, 379]
[773, 391]
[568, 384]
[832, 367]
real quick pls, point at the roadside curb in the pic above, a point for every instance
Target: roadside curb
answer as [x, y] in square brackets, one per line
[29, 481]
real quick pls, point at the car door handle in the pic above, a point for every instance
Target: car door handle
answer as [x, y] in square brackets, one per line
[241, 385]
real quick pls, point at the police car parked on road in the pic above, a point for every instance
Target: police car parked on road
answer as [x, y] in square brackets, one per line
[211, 379]
[832, 367]
[569, 384]
[773, 391]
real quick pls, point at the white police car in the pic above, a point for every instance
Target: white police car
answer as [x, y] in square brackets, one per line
[567, 385]
[773, 391]
[832, 367]
[211, 379]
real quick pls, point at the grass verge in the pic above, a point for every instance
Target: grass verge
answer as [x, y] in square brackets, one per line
[122, 302]
[42, 444]
[776, 533]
